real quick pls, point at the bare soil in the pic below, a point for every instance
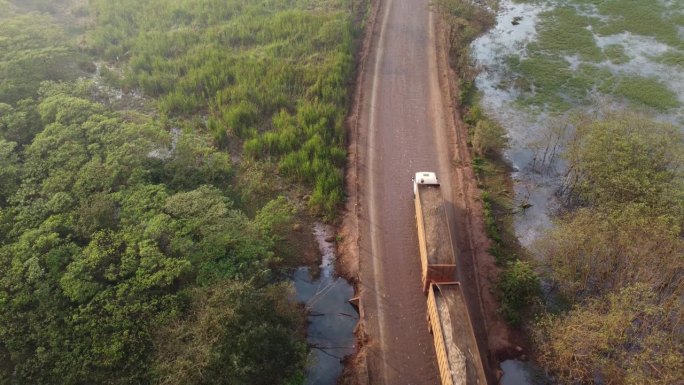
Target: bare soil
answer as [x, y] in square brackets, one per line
[347, 263]
[436, 225]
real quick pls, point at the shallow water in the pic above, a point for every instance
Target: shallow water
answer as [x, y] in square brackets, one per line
[331, 318]
[521, 373]
[527, 131]
[498, 96]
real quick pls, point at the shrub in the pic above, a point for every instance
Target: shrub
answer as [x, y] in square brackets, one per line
[489, 138]
[519, 286]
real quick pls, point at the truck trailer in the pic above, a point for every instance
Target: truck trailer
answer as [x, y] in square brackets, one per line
[437, 257]
[458, 357]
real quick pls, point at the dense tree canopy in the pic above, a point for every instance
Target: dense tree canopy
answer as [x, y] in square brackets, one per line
[126, 252]
[100, 248]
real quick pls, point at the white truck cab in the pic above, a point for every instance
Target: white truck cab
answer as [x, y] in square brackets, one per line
[424, 177]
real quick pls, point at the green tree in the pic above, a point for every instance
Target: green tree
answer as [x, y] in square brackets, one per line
[194, 162]
[519, 287]
[19, 123]
[9, 170]
[232, 335]
[627, 158]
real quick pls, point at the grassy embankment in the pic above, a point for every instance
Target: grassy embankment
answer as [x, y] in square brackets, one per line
[134, 253]
[518, 284]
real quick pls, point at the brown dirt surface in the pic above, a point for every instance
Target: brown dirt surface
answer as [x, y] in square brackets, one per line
[436, 225]
[347, 262]
[404, 120]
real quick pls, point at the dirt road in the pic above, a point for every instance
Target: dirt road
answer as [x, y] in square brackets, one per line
[402, 129]
[404, 125]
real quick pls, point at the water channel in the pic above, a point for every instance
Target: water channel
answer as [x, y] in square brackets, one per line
[331, 318]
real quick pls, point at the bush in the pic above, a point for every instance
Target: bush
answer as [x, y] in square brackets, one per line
[240, 118]
[624, 338]
[519, 287]
[489, 138]
[626, 158]
[618, 260]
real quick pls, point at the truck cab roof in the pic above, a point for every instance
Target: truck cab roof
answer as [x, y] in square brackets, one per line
[426, 177]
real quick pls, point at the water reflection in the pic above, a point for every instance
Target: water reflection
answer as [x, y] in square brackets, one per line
[331, 318]
[522, 373]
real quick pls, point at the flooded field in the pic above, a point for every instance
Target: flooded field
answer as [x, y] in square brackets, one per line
[547, 60]
[331, 318]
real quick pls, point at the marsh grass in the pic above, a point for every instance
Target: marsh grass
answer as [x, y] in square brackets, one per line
[563, 31]
[616, 54]
[641, 17]
[647, 91]
[564, 67]
[671, 58]
[551, 83]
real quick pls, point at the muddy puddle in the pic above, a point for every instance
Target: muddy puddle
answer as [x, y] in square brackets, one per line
[331, 318]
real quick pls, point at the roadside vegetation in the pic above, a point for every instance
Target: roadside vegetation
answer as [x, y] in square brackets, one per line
[613, 261]
[279, 92]
[518, 283]
[616, 257]
[610, 311]
[464, 21]
[151, 156]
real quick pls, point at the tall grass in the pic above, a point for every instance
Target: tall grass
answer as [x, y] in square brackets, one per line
[272, 75]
